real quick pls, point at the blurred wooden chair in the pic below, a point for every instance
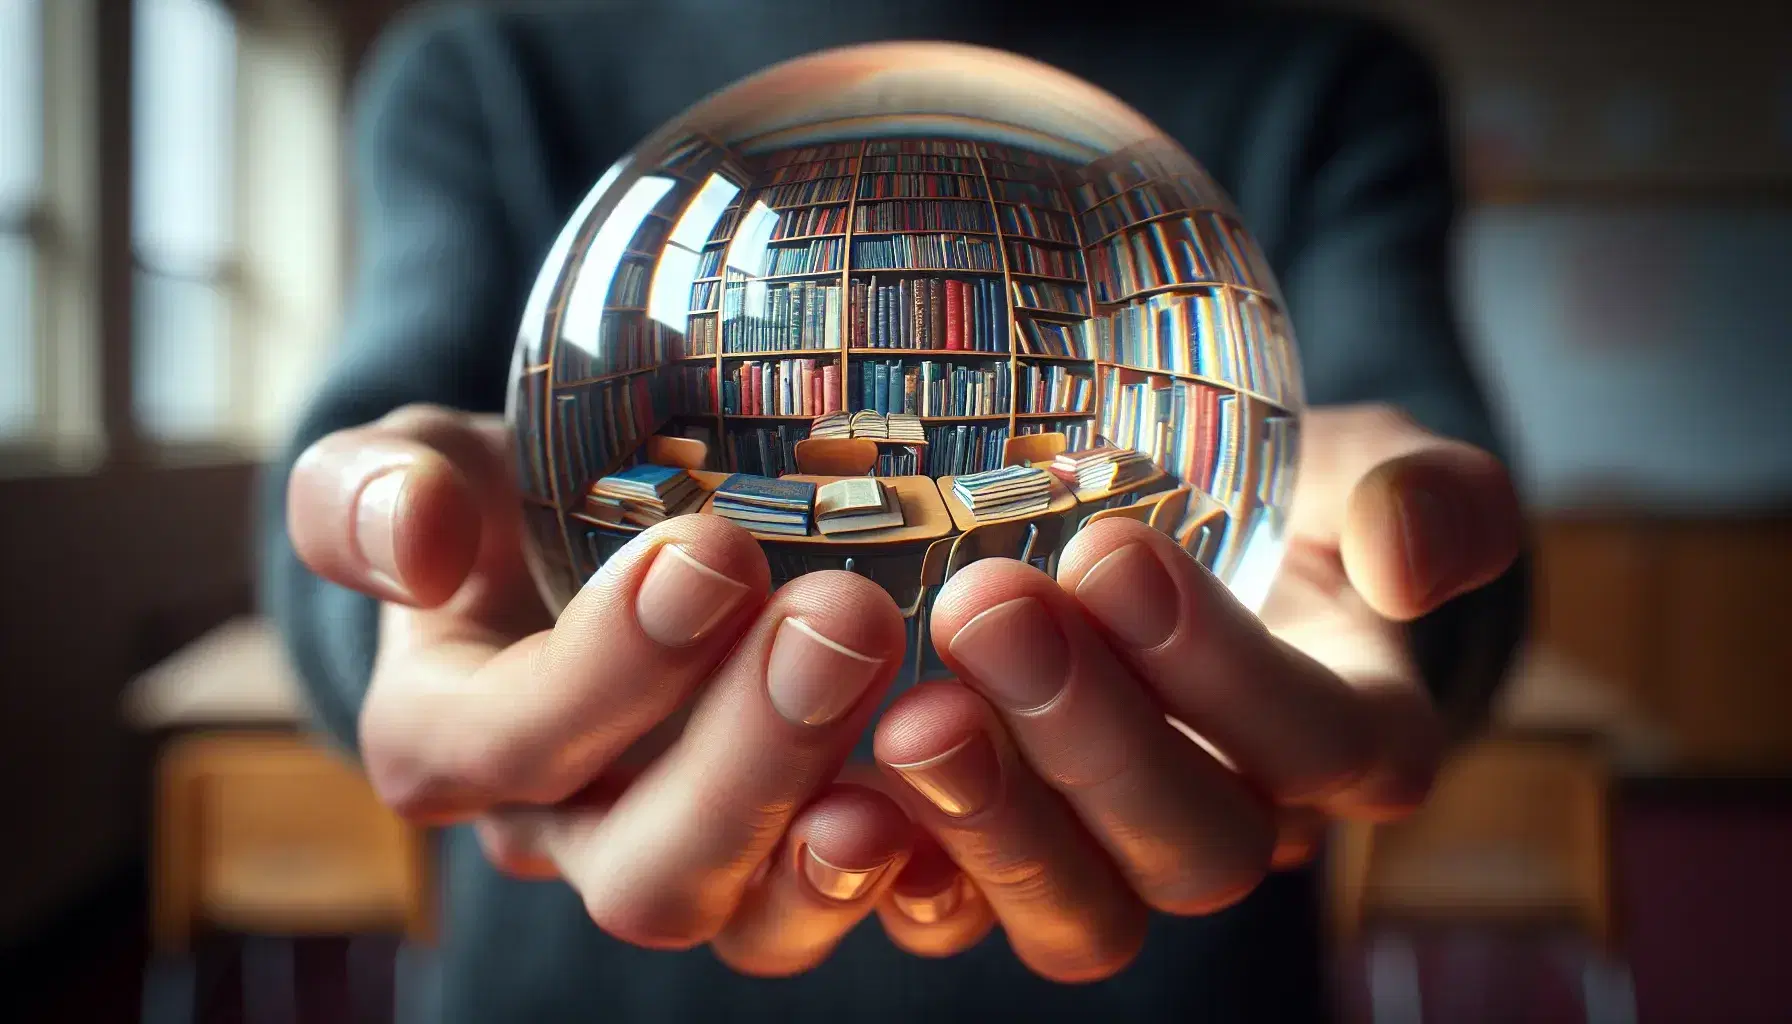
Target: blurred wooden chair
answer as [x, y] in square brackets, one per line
[836, 456]
[683, 452]
[1168, 510]
[1026, 449]
[1515, 840]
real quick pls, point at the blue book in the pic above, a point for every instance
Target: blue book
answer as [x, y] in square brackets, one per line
[766, 492]
[649, 475]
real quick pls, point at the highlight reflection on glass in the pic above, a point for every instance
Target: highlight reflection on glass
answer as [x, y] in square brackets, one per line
[966, 258]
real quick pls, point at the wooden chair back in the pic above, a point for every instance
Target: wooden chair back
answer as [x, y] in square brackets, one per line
[1026, 449]
[1140, 510]
[683, 452]
[1169, 509]
[836, 456]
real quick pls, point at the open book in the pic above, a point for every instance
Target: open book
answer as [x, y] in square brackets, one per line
[854, 504]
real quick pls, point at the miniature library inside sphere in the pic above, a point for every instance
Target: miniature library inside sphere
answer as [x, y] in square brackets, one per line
[898, 307]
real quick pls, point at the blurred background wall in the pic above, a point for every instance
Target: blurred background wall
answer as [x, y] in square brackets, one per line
[174, 232]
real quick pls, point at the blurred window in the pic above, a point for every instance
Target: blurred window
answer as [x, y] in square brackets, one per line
[183, 196]
[21, 179]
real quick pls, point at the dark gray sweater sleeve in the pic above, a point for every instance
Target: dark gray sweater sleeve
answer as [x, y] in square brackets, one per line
[1368, 283]
[431, 319]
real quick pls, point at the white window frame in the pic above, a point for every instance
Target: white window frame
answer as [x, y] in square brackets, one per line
[286, 278]
[65, 434]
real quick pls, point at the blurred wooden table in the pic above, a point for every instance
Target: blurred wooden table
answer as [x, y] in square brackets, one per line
[261, 830]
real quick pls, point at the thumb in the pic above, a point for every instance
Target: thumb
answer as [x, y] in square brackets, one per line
[1415, 518]
[409, 508]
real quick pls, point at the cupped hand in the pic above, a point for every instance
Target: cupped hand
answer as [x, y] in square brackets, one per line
[670, 745]
[1127, 737]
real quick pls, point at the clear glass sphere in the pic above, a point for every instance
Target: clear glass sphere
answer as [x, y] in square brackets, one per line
[923, 262]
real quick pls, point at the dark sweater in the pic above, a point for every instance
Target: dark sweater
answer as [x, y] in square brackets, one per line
[478, 131]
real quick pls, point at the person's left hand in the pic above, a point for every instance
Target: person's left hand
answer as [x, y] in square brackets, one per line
[1129, 737]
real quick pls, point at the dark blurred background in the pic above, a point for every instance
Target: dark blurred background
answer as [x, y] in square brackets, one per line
[173, 241]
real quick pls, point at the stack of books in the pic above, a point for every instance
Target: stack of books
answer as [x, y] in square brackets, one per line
[764, 505]
[1005, 492]
[856, 504]
[904, 427]
[871, 424]
[1102, 468]
[641, 495]
[834, 424]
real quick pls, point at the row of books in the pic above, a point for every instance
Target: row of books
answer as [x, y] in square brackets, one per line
[818, 256]
[803, 193]
[1154, 255]
[1193, 431]
[1004, 492]
[834, 167]
[1269, 364]
[810, 220]
[597, 425]
[1030, 222]
[628, 289]
[931, 388]
[921, 186]
[922, 215]
[1078, 433]
[766, 450]
[929, 313]
[1275, 455]
[808, 154]
[1187, 333]
[782, 317]
[1048, 338]
[796, 386]
[1053, 387]
[1052, 295]
[1135, 206]
[925, 252]
[958, 449]
[1033, 258]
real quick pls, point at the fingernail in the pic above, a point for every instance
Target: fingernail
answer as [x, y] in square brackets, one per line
[930, 909]
[961, 781]
[813, 680]
[1131, 593]
[681, 599]
[1016, 652]
[375, 511]
[1436, 537]
[836, 882]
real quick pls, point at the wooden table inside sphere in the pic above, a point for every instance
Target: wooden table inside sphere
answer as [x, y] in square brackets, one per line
[924, 515]
[1062, 502]
[1095, 496]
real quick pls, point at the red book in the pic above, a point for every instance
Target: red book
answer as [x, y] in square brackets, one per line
[955, 314]
[967, 296]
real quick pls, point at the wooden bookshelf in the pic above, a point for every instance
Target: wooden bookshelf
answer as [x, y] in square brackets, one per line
[1036, 206]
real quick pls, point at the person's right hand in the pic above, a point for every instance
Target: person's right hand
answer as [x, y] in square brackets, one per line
[669, 746]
